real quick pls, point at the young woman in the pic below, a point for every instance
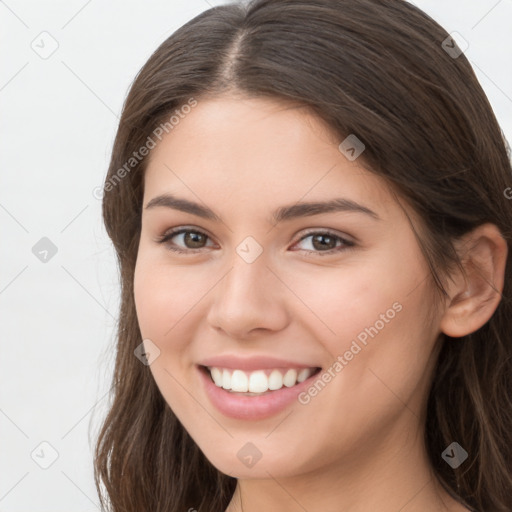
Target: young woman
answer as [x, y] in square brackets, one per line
[310, 203]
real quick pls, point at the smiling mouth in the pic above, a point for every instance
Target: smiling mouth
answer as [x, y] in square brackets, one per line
[258, 382]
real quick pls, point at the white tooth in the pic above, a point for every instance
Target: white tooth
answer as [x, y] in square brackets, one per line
[258, 382]
[275, 380]
[239, 381]
[290, 378]
[226, 379]
[216, 376]
[304, 374]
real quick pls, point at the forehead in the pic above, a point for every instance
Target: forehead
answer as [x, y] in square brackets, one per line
[258, 147]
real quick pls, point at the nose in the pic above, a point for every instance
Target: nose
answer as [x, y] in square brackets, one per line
[248, 301]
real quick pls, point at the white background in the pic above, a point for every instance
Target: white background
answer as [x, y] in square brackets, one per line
[59, 117]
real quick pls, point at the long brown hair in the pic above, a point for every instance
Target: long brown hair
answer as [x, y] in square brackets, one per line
[381, 70]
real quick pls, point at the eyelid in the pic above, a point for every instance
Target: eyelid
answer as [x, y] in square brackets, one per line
[327, 231]
[179, 230]
[346, 242]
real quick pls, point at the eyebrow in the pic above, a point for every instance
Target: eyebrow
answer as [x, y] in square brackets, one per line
[281, 214]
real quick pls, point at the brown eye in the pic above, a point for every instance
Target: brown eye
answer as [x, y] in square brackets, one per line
[325, 242]
[193, 239]
[182, 240]
[322, 242]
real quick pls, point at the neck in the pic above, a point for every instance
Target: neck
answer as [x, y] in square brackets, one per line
[397, 476]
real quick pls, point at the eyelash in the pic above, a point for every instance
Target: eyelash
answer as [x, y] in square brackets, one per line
[347, 244]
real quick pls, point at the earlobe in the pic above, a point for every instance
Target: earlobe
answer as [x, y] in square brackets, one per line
[475, 295]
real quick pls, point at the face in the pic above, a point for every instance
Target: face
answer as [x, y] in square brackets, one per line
[253, 278]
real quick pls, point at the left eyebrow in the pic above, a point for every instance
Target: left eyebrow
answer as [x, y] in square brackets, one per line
[283, 213]
[316, 208]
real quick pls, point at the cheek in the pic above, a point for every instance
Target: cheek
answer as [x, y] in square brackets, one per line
[386, 356]
[165, 295]
[373, 317]
[340, 302]
[166, 303]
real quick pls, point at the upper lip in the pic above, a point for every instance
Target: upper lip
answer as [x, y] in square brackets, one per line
[251, 363]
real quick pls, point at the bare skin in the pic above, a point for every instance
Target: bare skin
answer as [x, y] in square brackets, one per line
[357, 446]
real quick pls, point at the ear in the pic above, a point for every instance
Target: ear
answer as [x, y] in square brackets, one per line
[474, 297]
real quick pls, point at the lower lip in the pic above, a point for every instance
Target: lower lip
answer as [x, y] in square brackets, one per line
[244, 407]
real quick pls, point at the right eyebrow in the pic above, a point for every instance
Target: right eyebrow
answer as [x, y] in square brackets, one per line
[184, 205]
